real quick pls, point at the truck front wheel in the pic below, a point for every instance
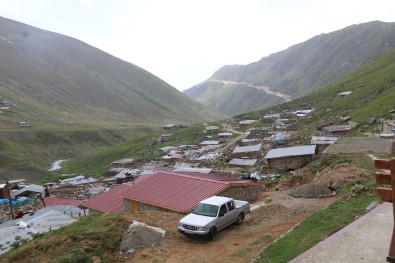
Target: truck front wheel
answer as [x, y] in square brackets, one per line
[212, 233]
[240, 219]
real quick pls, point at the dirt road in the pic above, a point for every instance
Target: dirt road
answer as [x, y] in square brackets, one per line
[277, 213]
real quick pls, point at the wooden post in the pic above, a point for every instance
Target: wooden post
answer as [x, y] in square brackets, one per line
[387, 194]
[9, 196]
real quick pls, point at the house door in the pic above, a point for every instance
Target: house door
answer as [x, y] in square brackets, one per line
[134, 206]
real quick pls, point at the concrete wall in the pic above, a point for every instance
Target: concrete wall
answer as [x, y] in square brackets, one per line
[288, 163]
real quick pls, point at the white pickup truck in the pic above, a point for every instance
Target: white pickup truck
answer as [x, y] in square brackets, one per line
[213, 214]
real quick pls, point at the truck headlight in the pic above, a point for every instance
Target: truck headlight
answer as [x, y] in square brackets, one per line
[202, 228]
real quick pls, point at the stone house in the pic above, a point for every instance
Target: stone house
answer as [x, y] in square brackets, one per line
[289, 158]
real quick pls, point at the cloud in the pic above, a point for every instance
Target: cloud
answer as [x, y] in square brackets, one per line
[88, 3]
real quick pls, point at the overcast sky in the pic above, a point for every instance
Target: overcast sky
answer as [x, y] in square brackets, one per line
[185, 41]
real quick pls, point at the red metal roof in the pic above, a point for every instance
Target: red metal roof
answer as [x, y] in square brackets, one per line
[54, 201]
[177, 192]
[107, 202]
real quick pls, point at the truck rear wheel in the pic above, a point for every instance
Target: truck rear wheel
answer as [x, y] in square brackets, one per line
[212, 233]
[240, 219]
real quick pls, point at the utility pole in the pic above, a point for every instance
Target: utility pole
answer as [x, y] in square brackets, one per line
[9, 196]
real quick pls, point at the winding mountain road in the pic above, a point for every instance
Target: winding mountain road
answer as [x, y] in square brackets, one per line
[265, 89]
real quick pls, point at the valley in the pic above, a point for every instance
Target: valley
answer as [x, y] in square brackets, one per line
[299, 147]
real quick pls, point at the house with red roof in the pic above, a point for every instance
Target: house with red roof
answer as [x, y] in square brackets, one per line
[55, 201]
[107, 202]
[181, 192]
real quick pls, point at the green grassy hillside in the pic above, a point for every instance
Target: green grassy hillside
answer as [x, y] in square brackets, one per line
[373, 96]
[51, 78]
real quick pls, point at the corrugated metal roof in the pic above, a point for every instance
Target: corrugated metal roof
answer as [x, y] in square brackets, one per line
[290, 151]
[321, 140]
[212, 142]
[193, 170]
[107, 202]
[337, 128]
[211, 128]
[246, 149]
[54, 201]
[177, 192]
[243, 162]
[31, 188]
[225, 134]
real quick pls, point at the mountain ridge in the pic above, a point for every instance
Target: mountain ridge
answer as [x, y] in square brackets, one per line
[299, 69]
[52, 74]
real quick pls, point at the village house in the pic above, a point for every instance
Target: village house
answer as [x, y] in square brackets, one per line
[183, 169]
[181, 192]
[272, 116]
[107, 202]
[289, 158]
[247, 151]
[212, 128]
[225, 135]
[30, 190]
[387, 127]
[246, 122]
[4, 191]
[343, 94]
[336, 130]
[322, 142]
[164, 137]
[24, 124]
[209, 142]
[5, 109]
[123, 163]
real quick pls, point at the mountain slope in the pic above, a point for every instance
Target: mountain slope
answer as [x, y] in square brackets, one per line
[372, 97]
[297, 70]
[50, 76]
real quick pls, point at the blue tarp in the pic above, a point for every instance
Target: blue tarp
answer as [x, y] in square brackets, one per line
[15, 202]
[279, 137]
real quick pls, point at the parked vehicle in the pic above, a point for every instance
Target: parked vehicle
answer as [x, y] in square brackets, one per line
[212, 215]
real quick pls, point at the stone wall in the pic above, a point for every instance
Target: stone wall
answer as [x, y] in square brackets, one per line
[245, 193]
[288, 163]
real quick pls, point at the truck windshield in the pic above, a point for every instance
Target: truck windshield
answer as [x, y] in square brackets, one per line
[206, 210]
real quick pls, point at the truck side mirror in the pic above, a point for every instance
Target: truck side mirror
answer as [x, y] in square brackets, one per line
[221, 214]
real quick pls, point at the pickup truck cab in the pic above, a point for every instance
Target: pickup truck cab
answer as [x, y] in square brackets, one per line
[212, 215]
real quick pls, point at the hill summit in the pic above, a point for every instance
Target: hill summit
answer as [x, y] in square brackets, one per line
[294, 72]
[49, 76]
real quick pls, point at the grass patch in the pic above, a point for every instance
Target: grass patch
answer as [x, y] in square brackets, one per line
[318, 227]
[92, 236]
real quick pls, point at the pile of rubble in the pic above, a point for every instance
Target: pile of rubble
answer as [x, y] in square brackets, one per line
[312, 191]
[140, 235]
